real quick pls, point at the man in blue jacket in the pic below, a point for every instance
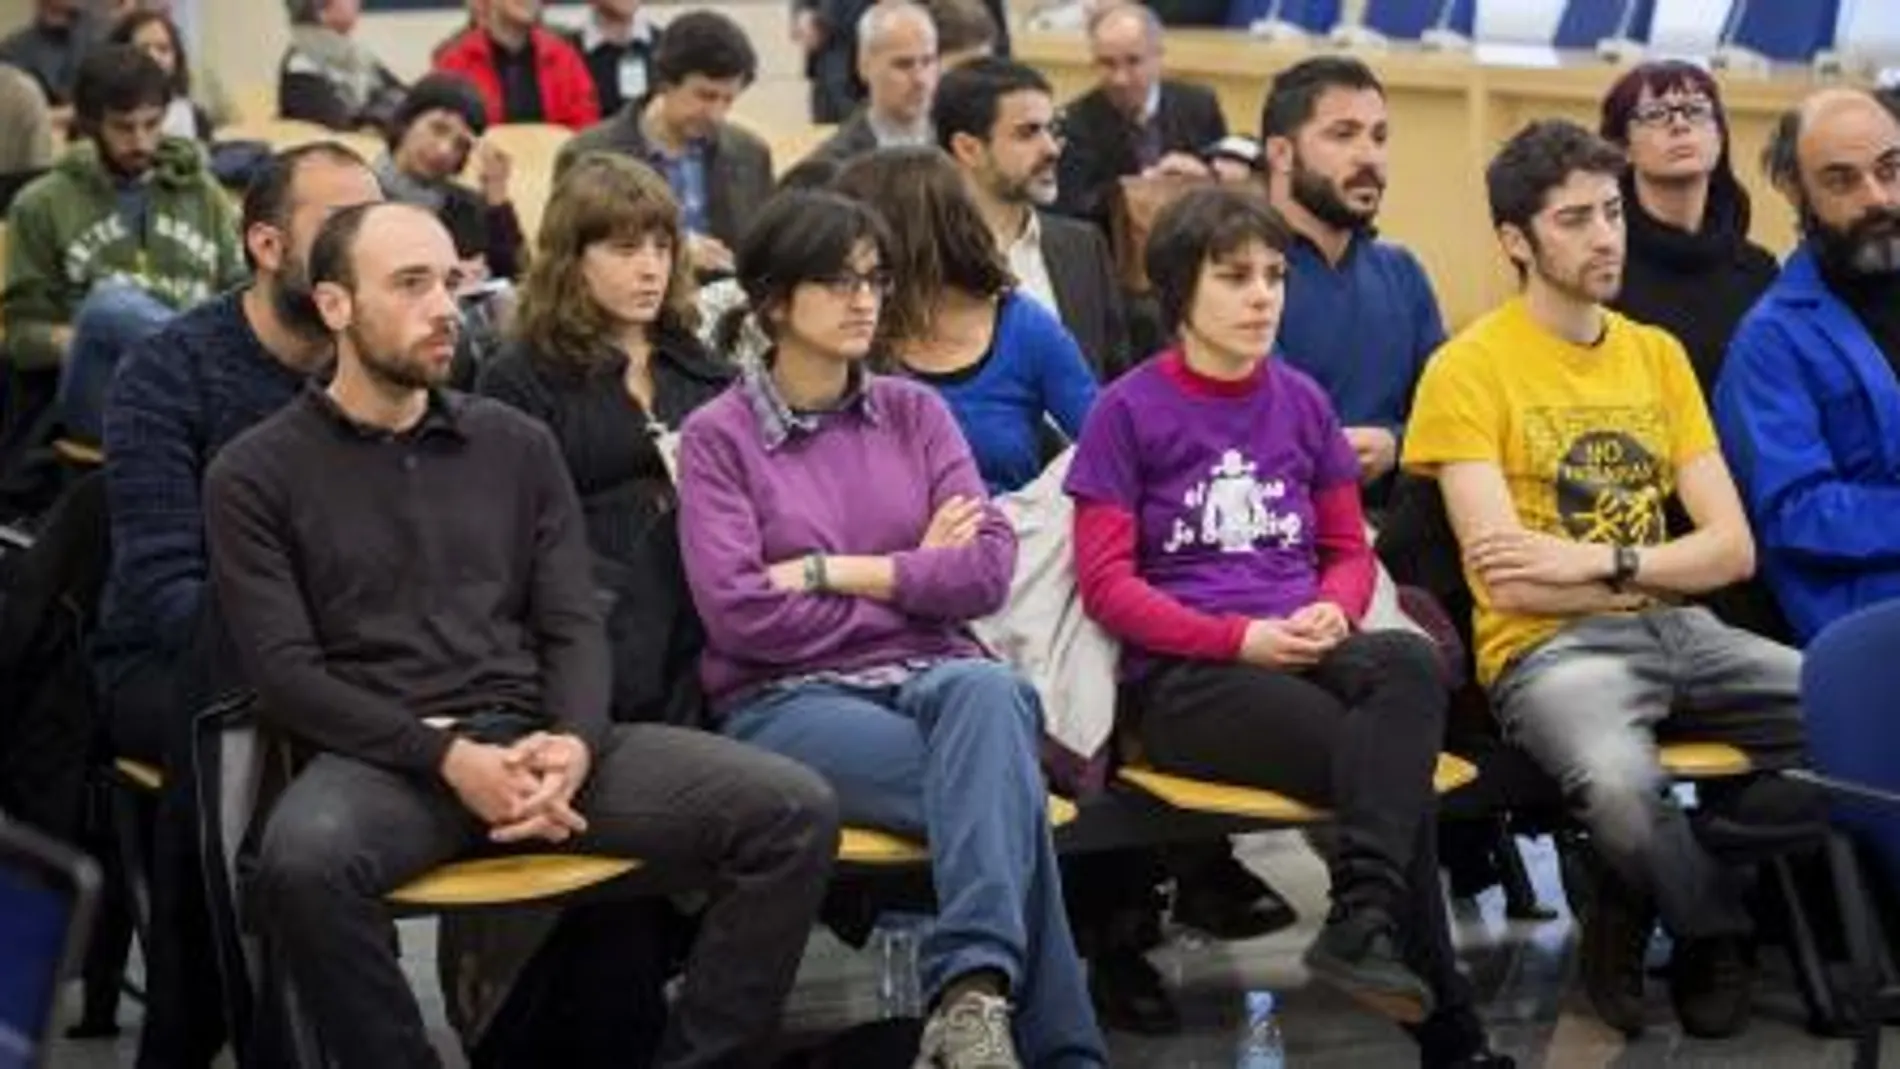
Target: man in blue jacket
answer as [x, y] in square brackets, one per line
[1808, 404]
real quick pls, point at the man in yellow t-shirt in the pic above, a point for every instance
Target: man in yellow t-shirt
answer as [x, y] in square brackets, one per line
[1557, 430]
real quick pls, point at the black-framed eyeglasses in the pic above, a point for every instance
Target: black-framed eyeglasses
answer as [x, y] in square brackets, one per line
[848, 283]
[1696, 112]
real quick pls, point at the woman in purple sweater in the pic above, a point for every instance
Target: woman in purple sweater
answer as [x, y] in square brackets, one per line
[837, 541]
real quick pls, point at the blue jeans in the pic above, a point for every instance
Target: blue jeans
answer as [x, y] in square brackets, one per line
[950, 755]
[112, 319]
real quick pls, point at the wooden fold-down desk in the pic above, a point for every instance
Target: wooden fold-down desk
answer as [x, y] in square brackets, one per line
[1449, 114]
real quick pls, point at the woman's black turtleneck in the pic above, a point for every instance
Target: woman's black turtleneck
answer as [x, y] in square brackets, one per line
[1697, 286]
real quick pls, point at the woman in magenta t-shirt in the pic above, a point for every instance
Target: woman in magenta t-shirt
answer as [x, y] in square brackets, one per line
[1218, 535]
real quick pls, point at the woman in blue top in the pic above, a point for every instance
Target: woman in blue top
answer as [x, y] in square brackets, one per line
[956, 321]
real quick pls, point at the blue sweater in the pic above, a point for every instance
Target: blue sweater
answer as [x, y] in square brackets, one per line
[1363, 330]
[1033, 368]
[1809, 415]
[174, 402]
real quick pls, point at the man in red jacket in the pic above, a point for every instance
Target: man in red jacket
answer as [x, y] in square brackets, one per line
[525, 73]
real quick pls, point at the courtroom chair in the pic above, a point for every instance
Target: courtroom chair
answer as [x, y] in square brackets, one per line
[279, 134]
[1785, 31]
[1519, 22]
[1313, 16]
[1407, 20]
[1867, 36]
[239, 771]
[254, 103]
[1586, 22]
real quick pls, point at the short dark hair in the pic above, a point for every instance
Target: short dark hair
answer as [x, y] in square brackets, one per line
[967, 97]
[799, 236]
[941, 241]
[118, 78]
[1294, 93]
[704, 43]
[128, 28]
[1539, 158]
[1780, 156]
[268, 200]
[333, 253]
[1203, 224]
[812, 172]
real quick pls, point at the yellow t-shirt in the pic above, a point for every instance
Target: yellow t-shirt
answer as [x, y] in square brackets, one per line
[1589, 438]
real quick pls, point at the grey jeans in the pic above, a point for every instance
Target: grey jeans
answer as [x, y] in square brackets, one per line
[756, 830]
[1589, 705]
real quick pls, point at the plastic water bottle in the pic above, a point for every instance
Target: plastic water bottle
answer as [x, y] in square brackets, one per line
[895, 943]
[1261, 1046]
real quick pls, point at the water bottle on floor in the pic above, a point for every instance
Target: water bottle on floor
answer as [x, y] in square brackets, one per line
[1260, 1045]
[895, 943]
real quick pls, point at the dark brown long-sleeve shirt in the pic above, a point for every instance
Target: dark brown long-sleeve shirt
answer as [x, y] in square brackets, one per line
[371, 581]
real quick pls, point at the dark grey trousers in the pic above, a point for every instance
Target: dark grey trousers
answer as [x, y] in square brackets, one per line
[757, 831]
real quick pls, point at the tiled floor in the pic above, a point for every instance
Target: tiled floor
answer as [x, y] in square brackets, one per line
[1524, 973]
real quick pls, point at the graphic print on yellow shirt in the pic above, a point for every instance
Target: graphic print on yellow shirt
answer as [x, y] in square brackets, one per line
[1589, 439]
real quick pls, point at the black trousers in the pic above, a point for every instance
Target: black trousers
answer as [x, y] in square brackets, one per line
[1359, 734]
[757, 831]
[148, 712]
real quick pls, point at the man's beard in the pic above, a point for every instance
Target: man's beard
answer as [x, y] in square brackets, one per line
[1577, 286]
[1316, 194]
[1030, 190]
[1869, 246]
[399, 370]
[296, 307]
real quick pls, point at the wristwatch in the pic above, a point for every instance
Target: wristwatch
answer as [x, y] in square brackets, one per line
[815, 573]
[1628, 562]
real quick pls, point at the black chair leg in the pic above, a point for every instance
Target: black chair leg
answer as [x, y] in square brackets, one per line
[1804, 951]
[1862, 930]
[1520, 897]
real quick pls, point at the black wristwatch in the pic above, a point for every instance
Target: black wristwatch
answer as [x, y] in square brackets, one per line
[1628, 562]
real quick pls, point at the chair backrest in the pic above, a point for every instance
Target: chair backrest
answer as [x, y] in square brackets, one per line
[1585, 22]
[1407, 19]
[1847, 678]
[1688, 27]
[1869, 30]
[1313, 16]
[1524, 22]
[47, 896]
[1791, 30]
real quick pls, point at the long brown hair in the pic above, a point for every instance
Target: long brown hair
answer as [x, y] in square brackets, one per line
[939, 238]
[601, 198]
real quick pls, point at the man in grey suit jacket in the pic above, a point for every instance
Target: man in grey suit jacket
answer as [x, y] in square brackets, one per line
[1134, 122]
[719, 172]
[897, 58]
[996, 119]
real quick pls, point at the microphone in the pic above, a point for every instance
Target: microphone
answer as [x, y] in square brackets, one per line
[1271, 27]
[1439, 36]
[1734, 58]
[1620, 48]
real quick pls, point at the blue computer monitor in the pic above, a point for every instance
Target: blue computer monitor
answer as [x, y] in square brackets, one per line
[47, 897]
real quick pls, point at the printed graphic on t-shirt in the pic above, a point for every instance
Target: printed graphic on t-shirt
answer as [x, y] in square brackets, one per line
[1605, 470]
[1233, 509]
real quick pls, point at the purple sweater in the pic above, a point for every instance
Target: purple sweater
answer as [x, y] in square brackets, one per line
[865, 483]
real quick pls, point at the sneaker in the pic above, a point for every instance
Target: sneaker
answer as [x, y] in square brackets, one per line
[969, 1033]
[1615, 943]
[1357, 954]
[1712, 983]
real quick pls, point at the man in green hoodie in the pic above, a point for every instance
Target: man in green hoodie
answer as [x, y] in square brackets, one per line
[128, 228]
